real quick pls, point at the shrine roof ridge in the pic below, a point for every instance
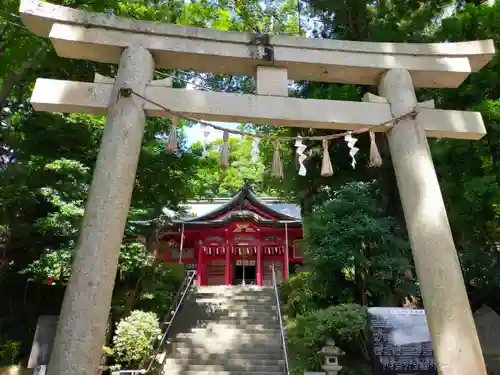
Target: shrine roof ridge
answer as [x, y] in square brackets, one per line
[216, 200]
[223, 223]
[432, 65]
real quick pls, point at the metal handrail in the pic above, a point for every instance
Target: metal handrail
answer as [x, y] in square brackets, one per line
[280, 318]
[169, 318]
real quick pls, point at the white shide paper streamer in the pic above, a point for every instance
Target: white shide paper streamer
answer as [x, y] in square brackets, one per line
[302, 157]
[351, 141]
[255, 150]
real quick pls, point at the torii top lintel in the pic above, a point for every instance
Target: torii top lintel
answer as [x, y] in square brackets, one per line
[101, 37]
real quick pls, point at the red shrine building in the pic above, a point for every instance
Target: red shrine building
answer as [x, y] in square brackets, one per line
[236, 240]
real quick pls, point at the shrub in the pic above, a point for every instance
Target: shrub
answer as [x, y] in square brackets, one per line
[134, 338]
[297, 295]
[345, 323]
[9, 352]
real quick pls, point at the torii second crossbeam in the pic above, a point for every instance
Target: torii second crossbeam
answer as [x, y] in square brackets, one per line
[93, 98]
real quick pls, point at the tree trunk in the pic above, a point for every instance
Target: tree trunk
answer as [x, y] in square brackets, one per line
[360, 278]
[152, 249]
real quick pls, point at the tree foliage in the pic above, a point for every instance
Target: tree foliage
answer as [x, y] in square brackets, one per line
[213, 181]
[358, 254]
[345, 323]
[359, 257]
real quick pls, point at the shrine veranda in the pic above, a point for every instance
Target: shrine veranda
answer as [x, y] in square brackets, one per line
[138, 47]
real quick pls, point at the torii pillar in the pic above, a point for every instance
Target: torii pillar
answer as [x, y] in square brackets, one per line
[454, 337]
[85, 309]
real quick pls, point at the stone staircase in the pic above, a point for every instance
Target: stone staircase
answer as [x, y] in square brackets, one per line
[226, 331]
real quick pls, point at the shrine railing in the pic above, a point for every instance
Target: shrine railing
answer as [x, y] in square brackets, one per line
[166, 324]
[280, 319]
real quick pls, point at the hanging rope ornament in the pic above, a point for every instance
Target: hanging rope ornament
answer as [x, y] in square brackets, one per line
[224, 155]
[204, 145]
[255, 150]
[351, 141]
[326, 165]
[277, 167]
[171, 145]
[301, 156]
[375, 158]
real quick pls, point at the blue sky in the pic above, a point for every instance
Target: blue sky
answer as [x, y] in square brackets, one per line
[195, 133]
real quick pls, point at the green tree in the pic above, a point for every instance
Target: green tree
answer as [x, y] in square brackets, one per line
[345, 323]
[359, 257]
[358, 254]
[212, 180]
[469, 170]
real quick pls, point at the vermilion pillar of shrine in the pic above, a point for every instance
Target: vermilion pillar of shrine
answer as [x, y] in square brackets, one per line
[199, 268]
[286, 250]
[285, 265]
[228, 267]
[228, 264]
[259, 265]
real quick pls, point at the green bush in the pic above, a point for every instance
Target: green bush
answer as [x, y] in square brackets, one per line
[346, 324]
[297, 295]
[134, 338]
[9, 352]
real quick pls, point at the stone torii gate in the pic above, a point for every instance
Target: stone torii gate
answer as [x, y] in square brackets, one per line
[138, 47]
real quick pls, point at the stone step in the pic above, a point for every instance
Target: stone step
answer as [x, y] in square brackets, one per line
[219, 368]
[222, 373]
[219, 360]
[241, 321]
[250, 326]
[236, 299]
[250, 310]
[239, 306]
[227, 348]
[240, 324]
[235, 319]
[257, 298]
[241, 298]
[257, 318]
[245, 313]
[201, 337]
[194, 354]
[216, 328]
[230, 302]
[251, 296]
[230, 341]
[234, 288]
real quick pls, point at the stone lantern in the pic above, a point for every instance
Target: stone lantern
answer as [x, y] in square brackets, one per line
[331, 354]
